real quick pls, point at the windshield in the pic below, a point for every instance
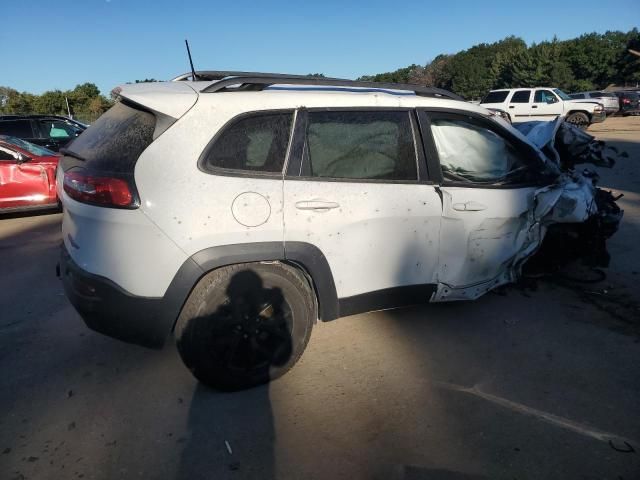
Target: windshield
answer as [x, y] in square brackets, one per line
[28, 146]
[561, 94]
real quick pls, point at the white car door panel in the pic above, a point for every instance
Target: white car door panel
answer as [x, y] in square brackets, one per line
[478, 245]
[377, 232]
[378, 236]
[488, 204]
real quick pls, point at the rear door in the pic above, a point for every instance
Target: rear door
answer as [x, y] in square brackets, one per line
[546, 106]
[519, 106]
[488, 179]
[357, 190]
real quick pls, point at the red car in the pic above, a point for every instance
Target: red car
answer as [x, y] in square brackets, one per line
[27, 176]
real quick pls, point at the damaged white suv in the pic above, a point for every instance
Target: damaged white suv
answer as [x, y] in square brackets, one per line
[236, 210]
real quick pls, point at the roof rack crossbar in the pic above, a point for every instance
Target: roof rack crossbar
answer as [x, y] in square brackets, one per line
[262, 81]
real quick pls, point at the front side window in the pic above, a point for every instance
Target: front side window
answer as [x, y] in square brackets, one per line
[255, 143]
[521, 96]
[57, 129]
[470, 152]
[367, 145]
[544, 96]
[16, 128]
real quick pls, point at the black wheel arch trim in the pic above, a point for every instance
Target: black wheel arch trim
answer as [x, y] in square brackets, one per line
[302, 254]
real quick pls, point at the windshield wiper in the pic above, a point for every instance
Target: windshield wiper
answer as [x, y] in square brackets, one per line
[69, 153]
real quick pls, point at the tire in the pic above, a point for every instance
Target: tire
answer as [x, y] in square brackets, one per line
[579, 119]
[246, 324]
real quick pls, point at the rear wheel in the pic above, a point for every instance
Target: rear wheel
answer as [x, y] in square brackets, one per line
[579, 119]
[244, 325]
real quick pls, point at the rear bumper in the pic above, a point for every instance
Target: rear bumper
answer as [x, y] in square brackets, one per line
[107, 308]
[630, 111]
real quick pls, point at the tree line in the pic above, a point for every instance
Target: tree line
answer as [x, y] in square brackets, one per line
[85, 102]
[589, 62]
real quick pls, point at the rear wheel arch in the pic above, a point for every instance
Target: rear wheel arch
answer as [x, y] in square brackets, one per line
[305, 258]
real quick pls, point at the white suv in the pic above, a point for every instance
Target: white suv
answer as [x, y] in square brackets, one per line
[543, 104]
[237, 210]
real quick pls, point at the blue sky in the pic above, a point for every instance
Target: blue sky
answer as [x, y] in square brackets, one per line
[46, 45]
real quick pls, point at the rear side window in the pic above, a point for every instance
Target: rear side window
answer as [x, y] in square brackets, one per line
[114, 142]
[577, 96]
[16, 128]
[256, 143]
[361, 145]
[495, 97]
[521, 96]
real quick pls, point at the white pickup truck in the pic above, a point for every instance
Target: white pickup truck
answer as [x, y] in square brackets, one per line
[545, 104]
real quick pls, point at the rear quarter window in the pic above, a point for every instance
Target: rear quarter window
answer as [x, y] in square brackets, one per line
[255, 142]
[114, 142]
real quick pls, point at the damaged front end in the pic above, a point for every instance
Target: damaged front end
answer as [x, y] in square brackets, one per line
[584, 215]
[532, 230]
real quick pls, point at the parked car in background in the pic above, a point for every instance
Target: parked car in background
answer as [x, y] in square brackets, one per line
[544, 104]
[607, 99]
[27, 176]
[278, 213]
[50, 131]
[629, 102]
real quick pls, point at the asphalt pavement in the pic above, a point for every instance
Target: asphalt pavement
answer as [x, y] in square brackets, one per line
[537, 381]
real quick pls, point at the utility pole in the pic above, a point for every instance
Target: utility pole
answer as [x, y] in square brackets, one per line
[68, 109]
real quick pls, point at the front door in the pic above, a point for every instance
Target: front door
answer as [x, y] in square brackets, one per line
[355, 189]
[546, 106]
[489, 180]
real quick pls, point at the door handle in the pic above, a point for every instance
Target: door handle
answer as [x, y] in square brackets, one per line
[534, 106]
[510, 106]
[469, 207]
[321, 205]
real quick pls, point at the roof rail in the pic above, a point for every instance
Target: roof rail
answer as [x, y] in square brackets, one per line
[260, 81]
[208, 75]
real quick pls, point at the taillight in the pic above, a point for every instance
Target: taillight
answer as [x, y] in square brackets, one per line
[99, 190]
[626, 100]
